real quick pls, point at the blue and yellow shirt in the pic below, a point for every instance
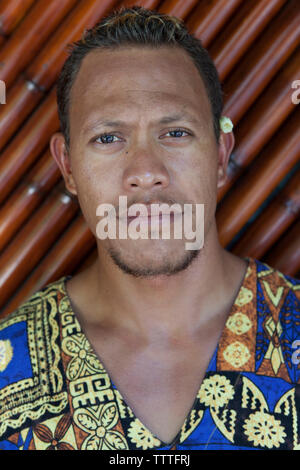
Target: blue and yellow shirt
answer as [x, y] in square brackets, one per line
[56, 394]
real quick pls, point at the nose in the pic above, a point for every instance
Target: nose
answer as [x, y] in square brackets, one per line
[145, 171]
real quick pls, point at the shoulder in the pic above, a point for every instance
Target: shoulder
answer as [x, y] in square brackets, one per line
[18, 324]
[278, 323]
[31, 374]
[276, 287]
[37, 302]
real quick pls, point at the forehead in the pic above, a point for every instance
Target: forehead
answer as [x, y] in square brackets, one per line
[139, 79]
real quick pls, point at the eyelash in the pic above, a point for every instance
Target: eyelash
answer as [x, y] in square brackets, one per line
[107, 135]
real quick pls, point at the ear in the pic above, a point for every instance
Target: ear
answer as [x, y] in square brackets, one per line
[59, 152]
[226, 144]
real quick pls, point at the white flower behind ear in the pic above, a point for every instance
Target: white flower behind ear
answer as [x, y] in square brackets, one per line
[226, 124]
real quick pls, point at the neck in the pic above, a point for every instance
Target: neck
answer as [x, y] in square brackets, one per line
[164, 306]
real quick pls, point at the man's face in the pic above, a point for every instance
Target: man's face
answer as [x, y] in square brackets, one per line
[137, 97]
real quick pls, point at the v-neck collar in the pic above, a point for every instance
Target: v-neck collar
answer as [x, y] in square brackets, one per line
[212, 365]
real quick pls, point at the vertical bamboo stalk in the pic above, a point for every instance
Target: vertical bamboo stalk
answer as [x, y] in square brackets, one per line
[27, 196]
[261, 63]
[262, 121]
[34, 240]
[28, 144]
[175, 8]
[30, 36]
[272, 222]
[285, 255]
[68, 252]
[238, 35]
[255, 185]
[150, 4]
[209, 17]
[11, 13]
[44, 70]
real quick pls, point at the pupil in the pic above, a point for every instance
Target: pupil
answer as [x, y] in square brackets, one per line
[107, 139]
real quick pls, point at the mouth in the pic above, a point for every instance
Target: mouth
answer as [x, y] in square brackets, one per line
[153, 213]
[162, 218]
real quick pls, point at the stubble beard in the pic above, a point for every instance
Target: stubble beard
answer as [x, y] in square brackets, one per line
[167, 265]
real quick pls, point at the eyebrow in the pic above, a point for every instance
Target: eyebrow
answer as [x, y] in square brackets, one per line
[164, 120]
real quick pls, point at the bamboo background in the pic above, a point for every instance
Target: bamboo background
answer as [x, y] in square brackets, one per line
[255, 46]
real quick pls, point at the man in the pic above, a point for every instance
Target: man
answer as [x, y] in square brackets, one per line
[154, 346]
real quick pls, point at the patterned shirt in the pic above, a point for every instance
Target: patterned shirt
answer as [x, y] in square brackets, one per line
[56, 394]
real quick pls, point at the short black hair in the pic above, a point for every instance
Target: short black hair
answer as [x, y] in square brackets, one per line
[141, 27]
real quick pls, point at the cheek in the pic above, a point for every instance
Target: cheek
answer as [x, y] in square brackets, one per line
[198, 173]
[92, 190]
[198, 181]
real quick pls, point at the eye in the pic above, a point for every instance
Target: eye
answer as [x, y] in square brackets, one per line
[106, 139]
[178, 133]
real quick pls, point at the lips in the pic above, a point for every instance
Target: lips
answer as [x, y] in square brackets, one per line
[160, 216]
[153, 213]
[153, 221]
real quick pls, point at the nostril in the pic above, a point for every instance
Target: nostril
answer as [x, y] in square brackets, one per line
[158, 183]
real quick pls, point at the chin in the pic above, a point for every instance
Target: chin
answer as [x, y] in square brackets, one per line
[152, 260]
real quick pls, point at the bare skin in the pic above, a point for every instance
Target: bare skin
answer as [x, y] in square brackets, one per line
[154, 334]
